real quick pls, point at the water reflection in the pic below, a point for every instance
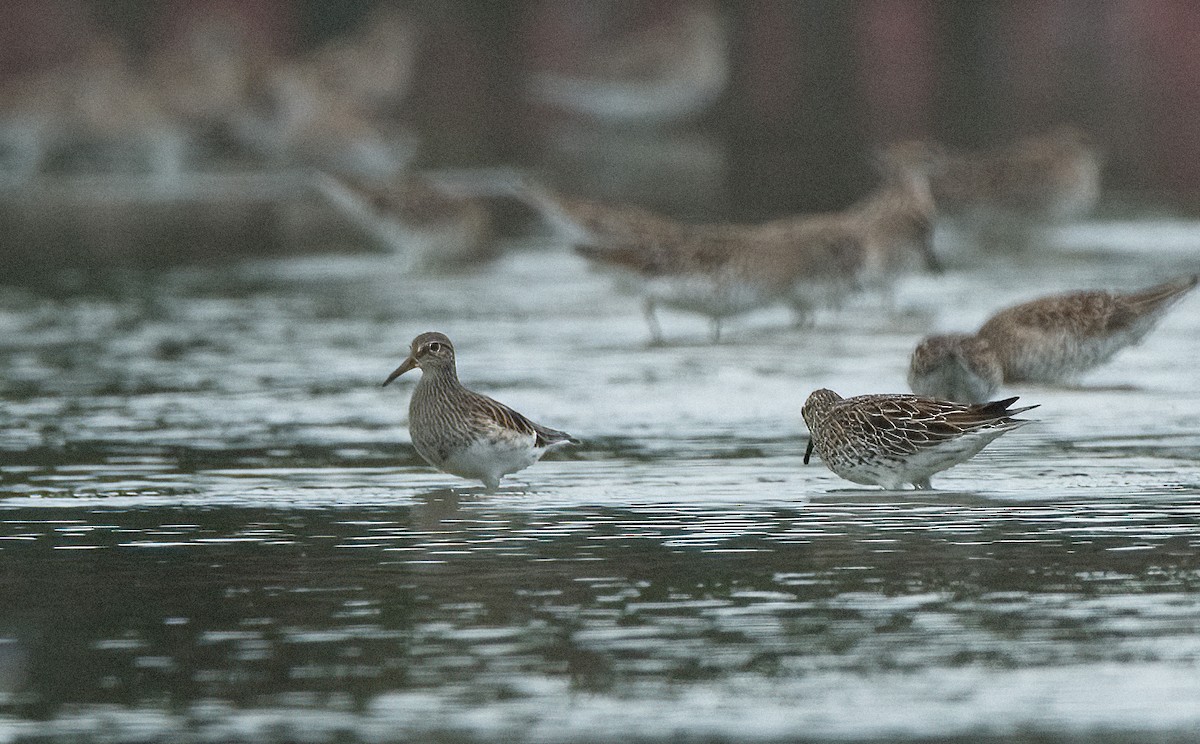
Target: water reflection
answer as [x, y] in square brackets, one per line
[332, 607]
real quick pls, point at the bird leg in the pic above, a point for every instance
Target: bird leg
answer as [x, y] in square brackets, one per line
[802, 315]
[656, 337]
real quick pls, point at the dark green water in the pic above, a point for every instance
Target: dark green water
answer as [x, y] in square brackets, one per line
[213, 528]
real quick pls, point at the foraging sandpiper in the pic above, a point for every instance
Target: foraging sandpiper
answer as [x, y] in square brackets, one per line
[1048, 340]
[891, 440]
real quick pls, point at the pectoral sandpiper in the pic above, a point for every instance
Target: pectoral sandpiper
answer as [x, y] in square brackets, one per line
[1006, 195]
[891, 440]
[1048, 176]
[1048, 340]
[722, 270]
[461, 432]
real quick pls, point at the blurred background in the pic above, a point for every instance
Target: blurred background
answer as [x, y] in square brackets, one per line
[706, 110]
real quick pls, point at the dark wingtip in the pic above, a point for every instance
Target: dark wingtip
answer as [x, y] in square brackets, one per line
[553, 437]
[1003, 407]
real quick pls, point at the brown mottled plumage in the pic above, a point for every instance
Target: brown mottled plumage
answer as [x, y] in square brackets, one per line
[425, 226]
[1047, 176]
[1048, 340]
[589, 222]
[891, 440]
[461, 432]
[658, 74]
[721, 270]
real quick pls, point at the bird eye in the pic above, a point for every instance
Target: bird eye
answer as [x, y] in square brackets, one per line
[435, 347]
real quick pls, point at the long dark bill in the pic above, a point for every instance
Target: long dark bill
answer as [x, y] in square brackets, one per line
[808, 450]
[405, 366]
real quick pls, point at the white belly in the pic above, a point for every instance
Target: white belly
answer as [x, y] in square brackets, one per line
[711, 296]
[489, 460]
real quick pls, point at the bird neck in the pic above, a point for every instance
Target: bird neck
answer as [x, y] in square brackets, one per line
[439, 380]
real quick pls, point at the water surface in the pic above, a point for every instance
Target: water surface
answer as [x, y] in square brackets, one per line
[213, 526]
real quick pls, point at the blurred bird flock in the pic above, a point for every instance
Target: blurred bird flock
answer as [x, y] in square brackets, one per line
[214, 142]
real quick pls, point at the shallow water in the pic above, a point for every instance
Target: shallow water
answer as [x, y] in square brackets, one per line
[213, 527]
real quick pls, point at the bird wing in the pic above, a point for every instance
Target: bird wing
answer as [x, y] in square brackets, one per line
[664, 255]
[493, 413]
[1086, 313]
[904, 424]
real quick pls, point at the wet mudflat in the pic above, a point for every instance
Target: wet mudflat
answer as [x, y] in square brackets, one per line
[212, 526]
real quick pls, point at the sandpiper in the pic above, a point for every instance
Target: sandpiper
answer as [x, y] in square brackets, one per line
[1053, 175]
[1005, 196]
[891, 440]
[423, 226]
[722, 270]
[661, 74]
[955, 366]
[1049, 340]
[461, 432]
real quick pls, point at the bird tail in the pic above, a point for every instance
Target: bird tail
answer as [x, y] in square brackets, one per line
[547, 437]
[1000, 408]
[501, 181]
[621, 255]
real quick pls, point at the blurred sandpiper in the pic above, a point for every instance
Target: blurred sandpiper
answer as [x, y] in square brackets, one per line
[723, 270]
[1049, 340]
[1005, 196]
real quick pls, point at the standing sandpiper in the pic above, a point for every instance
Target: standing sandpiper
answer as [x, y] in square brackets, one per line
[1005, 196]
[461, 432]
[890, 440]
[722, 270]
[1048, 340]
